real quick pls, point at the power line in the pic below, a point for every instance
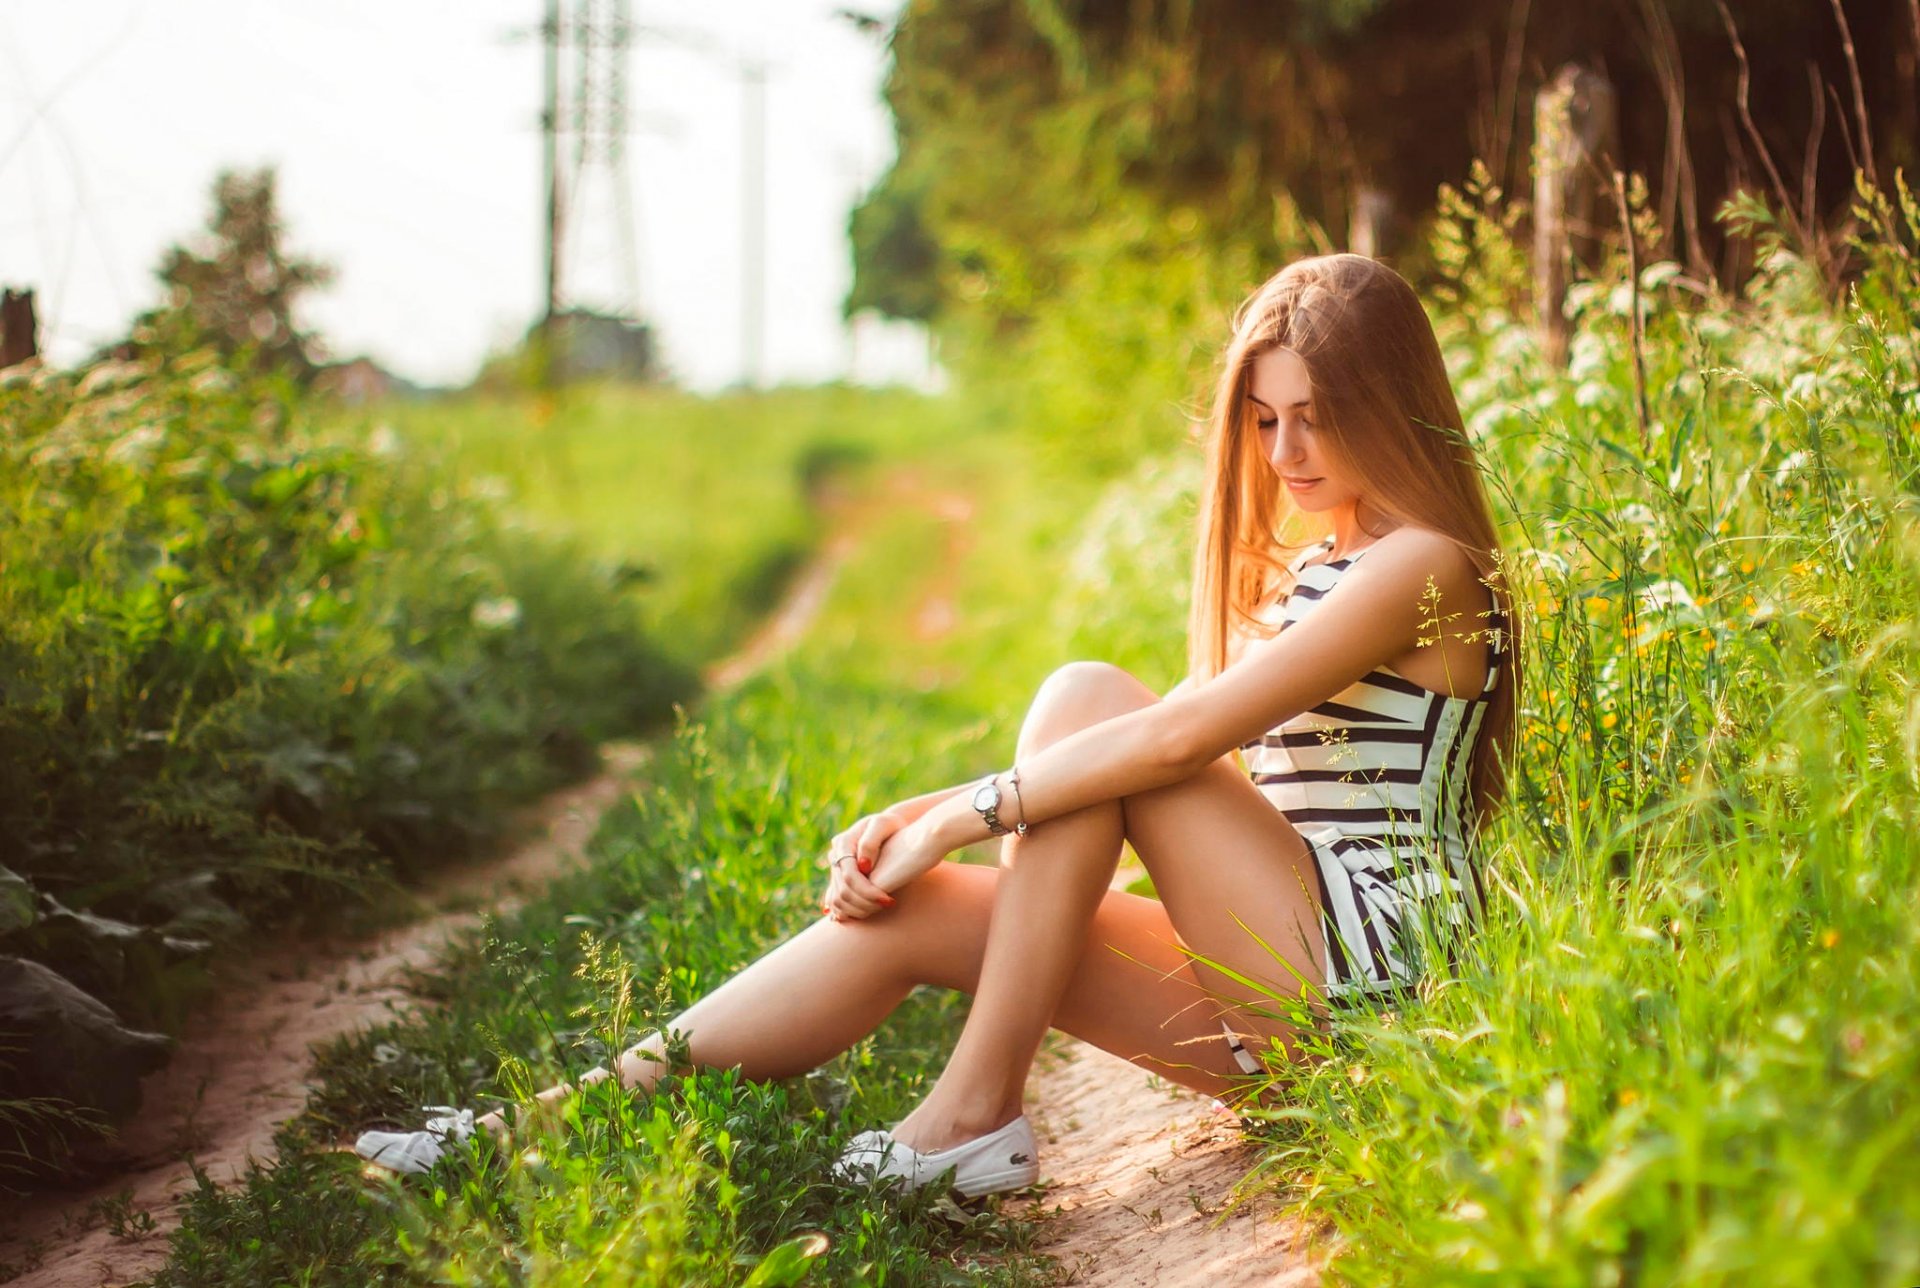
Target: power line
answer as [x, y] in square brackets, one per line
[753, 222]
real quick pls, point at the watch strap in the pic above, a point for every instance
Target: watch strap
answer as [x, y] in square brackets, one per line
[990, 814]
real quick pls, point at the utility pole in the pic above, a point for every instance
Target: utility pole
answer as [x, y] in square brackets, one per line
[753, 221]
[603, 32]
[594, 110]
[550, 158]
[587, 100]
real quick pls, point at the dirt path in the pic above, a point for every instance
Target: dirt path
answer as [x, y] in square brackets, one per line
[241, 1065]
[1141, 1176]
[1141, 1181]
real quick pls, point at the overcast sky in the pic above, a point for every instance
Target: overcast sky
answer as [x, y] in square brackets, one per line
[406, 136]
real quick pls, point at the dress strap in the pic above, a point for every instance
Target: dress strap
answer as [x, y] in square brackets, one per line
[1300, 560]
[1496, 645]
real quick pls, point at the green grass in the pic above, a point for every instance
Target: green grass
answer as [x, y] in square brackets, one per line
[712, 862]
[264, 656]
[709, 503]
[1683, 1047]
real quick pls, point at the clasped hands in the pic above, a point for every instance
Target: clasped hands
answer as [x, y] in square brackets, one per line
[887, 852]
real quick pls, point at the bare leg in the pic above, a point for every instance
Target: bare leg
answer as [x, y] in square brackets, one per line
[813, 996]
[1223, 860]
[1039, 941]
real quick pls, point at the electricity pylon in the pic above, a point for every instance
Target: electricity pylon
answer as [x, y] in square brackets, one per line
[588, 108]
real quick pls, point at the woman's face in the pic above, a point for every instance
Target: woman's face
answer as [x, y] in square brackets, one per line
[1282, 397]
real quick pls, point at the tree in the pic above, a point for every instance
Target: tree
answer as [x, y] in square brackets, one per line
[1022, 123]
[238, 288]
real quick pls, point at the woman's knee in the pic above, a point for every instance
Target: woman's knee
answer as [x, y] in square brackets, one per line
[938, 926]
[1080, 694]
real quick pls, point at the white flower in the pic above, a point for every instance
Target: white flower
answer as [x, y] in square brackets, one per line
[383, 441]
[497, 613]
[1662, 596]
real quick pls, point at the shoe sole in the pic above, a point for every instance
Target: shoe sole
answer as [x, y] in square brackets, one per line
[997, 1182]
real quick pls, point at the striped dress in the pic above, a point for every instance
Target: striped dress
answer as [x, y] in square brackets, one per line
[1376, 780]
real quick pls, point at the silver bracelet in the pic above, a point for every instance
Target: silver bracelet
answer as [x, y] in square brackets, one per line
[1013, 781]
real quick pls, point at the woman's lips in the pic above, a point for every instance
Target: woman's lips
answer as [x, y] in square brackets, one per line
[1299, 485]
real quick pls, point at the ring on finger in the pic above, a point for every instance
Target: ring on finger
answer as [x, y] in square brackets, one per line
[837, 860]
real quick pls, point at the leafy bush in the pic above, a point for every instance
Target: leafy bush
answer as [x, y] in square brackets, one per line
[247, 668]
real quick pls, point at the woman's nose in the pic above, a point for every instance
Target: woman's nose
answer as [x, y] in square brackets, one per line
[1286, 446]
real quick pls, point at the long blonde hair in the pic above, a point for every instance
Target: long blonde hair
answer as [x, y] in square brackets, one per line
[1385, 413]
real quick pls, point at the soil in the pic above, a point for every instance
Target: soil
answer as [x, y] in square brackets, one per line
[1141, 1184]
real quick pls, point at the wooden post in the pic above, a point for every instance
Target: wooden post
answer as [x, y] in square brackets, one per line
[1367, 220]
[1573, 131]
[19, 338]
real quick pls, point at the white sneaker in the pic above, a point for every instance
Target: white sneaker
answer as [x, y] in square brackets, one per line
[1001, 1160]
[413, 1152]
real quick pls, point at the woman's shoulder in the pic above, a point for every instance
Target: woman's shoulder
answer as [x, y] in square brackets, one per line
[1430, 543]
[1420, 555]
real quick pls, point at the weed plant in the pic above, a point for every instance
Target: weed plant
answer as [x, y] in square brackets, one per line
[248, 671]
[234, 648]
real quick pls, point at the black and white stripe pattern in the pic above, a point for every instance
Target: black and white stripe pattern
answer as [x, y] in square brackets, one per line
[1376, 779]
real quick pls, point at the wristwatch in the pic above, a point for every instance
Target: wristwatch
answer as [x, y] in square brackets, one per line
[986, 799]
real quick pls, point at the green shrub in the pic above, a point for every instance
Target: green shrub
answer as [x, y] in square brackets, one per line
[248, 667]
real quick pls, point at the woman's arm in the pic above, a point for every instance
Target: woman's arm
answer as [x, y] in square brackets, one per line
[1379, 611]
[914, 806]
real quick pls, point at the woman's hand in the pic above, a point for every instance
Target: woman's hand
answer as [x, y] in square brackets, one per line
[850, 857]
[909, 853]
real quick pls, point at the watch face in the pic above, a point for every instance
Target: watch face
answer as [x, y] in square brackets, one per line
[987, 797]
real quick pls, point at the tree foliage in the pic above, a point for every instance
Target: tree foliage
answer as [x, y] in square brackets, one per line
[238, 287]
[1033, 133]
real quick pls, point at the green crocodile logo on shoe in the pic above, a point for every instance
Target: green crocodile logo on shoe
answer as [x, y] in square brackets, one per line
[1019, 1158]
